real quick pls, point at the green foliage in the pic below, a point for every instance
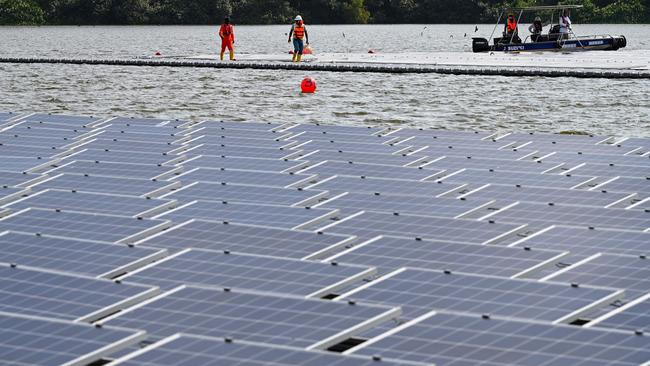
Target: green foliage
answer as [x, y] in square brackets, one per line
[21, 12]
[314, 11]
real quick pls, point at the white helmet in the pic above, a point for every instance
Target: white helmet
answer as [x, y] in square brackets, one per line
[298, 18]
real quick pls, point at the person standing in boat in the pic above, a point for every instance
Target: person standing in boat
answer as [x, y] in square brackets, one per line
[536, 29]
[300, 36]
[565, 24]
[227, 35]
[512, 30]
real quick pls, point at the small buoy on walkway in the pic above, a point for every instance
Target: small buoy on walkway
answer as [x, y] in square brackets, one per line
[308, 85]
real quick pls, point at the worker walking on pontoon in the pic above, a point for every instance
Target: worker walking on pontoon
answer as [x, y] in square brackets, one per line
[300, 36]
[227, 35]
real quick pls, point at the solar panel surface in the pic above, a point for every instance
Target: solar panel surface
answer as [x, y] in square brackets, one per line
[57, 295]
[45, 342]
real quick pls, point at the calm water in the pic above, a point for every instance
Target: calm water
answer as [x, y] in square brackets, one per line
[620, 107]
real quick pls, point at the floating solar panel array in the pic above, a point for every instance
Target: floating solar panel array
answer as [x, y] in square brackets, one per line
[166, 242]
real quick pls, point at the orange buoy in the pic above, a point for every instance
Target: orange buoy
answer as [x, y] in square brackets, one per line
[308, 85]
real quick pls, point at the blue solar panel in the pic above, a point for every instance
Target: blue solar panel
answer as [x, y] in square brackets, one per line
[584, 242]
[263, 165]
[118, 156]
[65, 296]
[250, 272]
[217, 151]
[634, 315]
[247, 213]
[44, 342]
[139, 146]
[631, 273]
[371, 224]
[43, 152]
[5, 116]
[388, 254]
[397, 187]
[78, 256]
[252, 239]
[10, 194]
[22, 164]
[463, 340]
[546, 195]
[359, 157]
[291, 321]
[114, 169]
[441, 207]
[540, 215]
[485, 176]
[78, 121]
[81, 225]
[242, 177]
[369, 170]
[628, 185]
[195, 350]
[100, 203]
[12, 179]
[205, 191]
[612, 170]
[264, 126]
[99, 184]
[419, 291]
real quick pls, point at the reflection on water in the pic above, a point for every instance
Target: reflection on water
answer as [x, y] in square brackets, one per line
[453, 102]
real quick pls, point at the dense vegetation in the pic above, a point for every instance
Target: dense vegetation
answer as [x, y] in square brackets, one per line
[282, 11]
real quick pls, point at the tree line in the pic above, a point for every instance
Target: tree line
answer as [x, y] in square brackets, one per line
[96, 12]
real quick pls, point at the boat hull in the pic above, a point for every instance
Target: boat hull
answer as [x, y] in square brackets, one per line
[569, 45]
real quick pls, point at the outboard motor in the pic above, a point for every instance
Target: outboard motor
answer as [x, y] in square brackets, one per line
[480, 45]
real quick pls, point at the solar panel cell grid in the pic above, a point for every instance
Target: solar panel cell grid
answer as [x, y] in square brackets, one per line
[65, 296]
[633, 316]
[81, 225]
[584, 242]
[264, 165]
[463, 340]
[255, 214]
[420, 291]
[261, 318]
[116, 169]
[100, 184]
[397, 187]
[183, 349]
[251, 272]
[241, 193]
[241, 177]
[77, 256]
[46, 342]
[247, 239]
[631, 273]
[389, 254]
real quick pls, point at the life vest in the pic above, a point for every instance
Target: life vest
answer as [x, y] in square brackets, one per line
[299, 31]
[512, 25]
[226, 30]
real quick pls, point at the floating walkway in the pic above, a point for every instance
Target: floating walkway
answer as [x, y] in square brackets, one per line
[632, 65]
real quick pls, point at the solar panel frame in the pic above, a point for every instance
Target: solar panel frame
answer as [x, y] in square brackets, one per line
[91, 202]
[100, 184]
[477, 176]
[70, 222]
[387, 186]
[631, 273]
[119, 170]
[248, 213]
[30, 342]
[257, 164]
[11, 194]
[200, 350]
[209, 192]
[203, 307]
[244, 177]
[419, 291]
[219, 269]
[392, 253]
[84, 257]
[368, 225]
[634, 315]
[332, 168]
[470, 339]
[248, 238]
[559, 214]
[119, 156]
[66, 296]
[20, 180]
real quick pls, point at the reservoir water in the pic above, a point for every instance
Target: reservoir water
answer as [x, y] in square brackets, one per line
[598, 106]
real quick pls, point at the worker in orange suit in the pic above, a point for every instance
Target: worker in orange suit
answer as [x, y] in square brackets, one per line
[227, 35]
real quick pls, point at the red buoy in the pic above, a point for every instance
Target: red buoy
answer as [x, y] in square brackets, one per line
[308, 85]
[158, 53]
